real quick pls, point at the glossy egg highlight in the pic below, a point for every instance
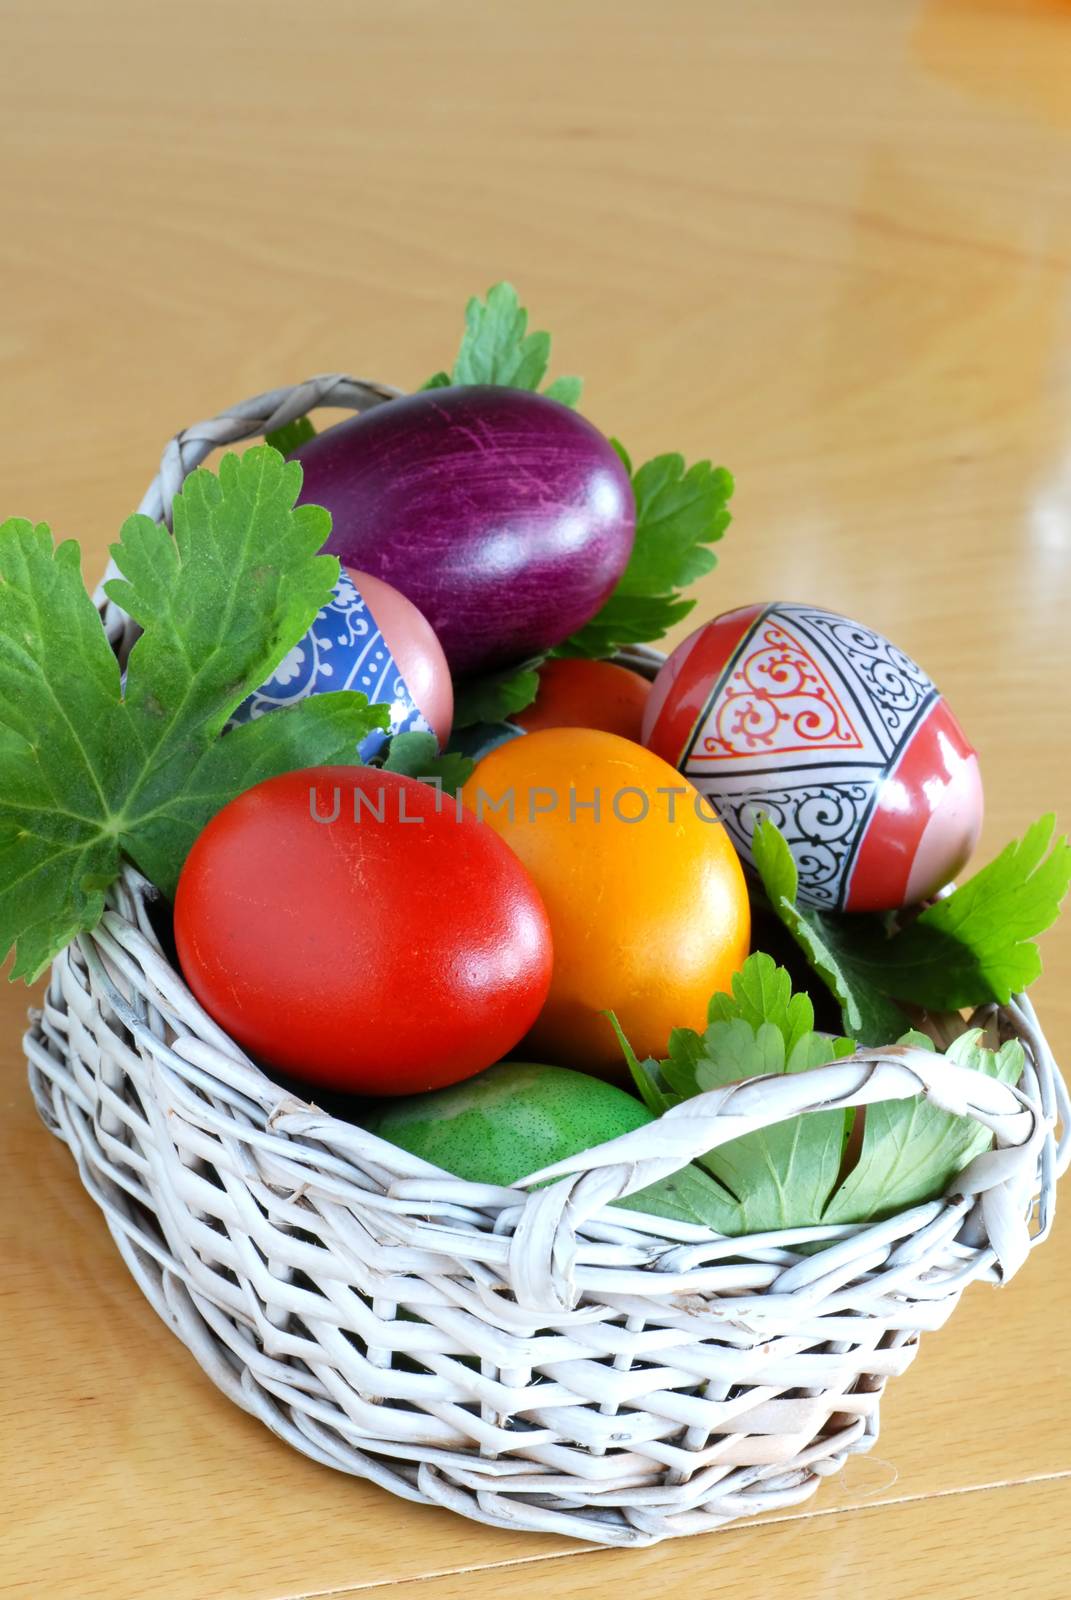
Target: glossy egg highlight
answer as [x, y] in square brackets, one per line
[371, 638]
[835, 734]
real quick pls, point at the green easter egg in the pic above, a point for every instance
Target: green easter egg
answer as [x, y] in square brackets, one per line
[517, 1117]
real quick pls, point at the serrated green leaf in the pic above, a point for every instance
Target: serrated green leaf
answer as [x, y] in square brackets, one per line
[679, 1069]
[976, 945]
[416, 755]
[830, 943]
[496, 697]
[680, 512]
[313, 732]
[911, 1150]
[623, 620]
[88, 774]
[498, 349]
[566, 391]
[780, 1176]
[762, 992]
[287, 438]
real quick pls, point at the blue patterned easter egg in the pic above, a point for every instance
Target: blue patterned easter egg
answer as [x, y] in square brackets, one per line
[370, 638]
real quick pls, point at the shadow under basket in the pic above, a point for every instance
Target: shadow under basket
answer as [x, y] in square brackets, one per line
[534, 1360]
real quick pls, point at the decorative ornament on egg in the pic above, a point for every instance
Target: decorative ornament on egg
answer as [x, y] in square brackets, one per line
[370, 638]
[836, 735]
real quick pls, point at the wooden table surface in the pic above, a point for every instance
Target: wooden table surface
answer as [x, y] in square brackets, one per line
[829, 244]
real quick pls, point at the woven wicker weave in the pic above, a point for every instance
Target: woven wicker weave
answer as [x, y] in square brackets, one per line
[531, 1360]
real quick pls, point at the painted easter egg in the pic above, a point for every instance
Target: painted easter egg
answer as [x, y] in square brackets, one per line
[371, 638]
[505, 516]
[836, 735]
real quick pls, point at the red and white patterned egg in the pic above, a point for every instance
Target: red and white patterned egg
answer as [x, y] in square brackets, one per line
[836, 735]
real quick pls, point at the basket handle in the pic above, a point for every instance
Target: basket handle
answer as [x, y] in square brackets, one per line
[264, 413]
[544, 1245]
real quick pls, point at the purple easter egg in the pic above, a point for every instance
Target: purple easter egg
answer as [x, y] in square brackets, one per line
[505, 517]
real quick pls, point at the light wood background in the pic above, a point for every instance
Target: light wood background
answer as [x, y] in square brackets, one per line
[829, 244]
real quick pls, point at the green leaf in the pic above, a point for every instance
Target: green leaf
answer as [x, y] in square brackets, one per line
[87, 775]
[977, 945]
[497, 697]
[679, 1070]
[498, 349]
[566, 391]
[778, 1177]
[287, 438]
[781, 1176]
[762, 992]
[973, 947]
[680, 512]
[911, 1150]
[625, 619]
[314, 732]
[689, 1195]
[416, 755]
[647, 1075]
[788, 1175]
[830, 943]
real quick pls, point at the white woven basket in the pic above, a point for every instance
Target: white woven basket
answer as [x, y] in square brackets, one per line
[530, 1359]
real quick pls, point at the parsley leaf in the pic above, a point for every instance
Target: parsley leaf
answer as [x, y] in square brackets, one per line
[680, 512]
[88, 773]
[416, 755]
[498, 349]
[778, 1177]
[497, 696]
[647, 1075]
[911, 1149]
[689, 1195]
[977, 944]
[781, 1176]
[974, 946]
[625, 619]
[830, 943]
[287, 438]
[566, 391]
[789, 1175]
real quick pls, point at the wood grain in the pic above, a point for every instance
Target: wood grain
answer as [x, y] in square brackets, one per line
[891, 1554]
[829, 245]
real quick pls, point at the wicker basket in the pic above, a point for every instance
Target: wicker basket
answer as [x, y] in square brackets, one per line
[529, 1359]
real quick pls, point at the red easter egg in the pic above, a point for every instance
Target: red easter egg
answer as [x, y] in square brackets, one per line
[836, 735]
